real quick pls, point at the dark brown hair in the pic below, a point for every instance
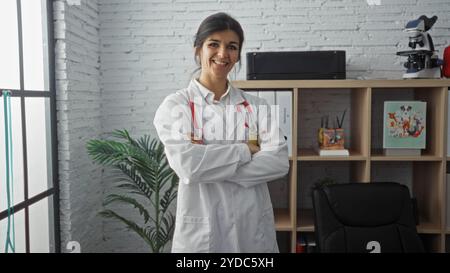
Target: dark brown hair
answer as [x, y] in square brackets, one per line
[218, 22]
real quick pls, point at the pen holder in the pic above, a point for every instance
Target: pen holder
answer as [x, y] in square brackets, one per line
[331, 139]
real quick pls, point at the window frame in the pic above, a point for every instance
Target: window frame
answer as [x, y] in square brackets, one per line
[51, 94]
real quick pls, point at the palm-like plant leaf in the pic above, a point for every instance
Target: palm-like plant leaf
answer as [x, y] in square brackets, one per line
[116, 198]
[132, 176]
[131, 225]
[140, 168]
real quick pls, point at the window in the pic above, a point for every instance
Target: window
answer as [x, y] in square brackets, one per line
[26, 70]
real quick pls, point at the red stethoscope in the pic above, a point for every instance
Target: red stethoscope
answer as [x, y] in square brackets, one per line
[197, 131]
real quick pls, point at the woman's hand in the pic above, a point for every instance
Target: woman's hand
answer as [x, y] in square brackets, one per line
[253, 148]
[194, 141]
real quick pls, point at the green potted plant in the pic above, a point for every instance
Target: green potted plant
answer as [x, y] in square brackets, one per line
[140, 169]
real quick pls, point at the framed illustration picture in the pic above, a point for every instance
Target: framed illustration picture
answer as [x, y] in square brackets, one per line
[404, 124]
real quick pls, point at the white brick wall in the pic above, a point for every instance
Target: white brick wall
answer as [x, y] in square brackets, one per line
[149, 43]
[77, 52]
[145, 51]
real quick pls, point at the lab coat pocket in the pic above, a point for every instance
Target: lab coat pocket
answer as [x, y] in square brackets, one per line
[266, 235]
[193, 235]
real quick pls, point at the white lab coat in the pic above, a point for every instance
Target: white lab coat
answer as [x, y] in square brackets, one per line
[223, 202]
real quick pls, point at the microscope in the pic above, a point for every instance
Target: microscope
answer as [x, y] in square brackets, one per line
[423, 62]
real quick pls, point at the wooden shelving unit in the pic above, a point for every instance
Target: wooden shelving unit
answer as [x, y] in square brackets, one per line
[425, 174]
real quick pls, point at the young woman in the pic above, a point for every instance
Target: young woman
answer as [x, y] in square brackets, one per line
[218, 141]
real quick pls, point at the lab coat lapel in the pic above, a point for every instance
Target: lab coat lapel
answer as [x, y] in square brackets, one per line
[196, 97]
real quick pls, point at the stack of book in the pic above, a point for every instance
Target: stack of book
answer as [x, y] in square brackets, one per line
[340, 152]
[282, 99]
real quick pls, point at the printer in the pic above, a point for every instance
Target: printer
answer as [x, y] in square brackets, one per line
[296, 65]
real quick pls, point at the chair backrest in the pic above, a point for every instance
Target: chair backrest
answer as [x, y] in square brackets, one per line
[365, 217]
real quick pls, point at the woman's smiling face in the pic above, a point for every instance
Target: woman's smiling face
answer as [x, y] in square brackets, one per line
[218, 54]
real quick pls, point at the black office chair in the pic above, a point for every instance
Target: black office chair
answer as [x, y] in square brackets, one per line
[365, 217]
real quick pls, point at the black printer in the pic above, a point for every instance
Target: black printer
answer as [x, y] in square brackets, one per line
[296, 65]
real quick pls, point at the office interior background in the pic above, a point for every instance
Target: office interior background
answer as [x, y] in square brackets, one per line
[112, 62]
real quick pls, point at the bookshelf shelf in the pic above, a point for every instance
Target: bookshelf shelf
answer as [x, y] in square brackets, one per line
[428, 228]
[282, 220]
[305, 220]
[405, 158]
[311, 155]
[425, 175]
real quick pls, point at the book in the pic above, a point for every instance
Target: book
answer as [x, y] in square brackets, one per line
[311, 247]
[448, 200]
[448, 124]
[284, 100]
[404, 125]
[340, 152]
[301, 245]
[269, 96]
